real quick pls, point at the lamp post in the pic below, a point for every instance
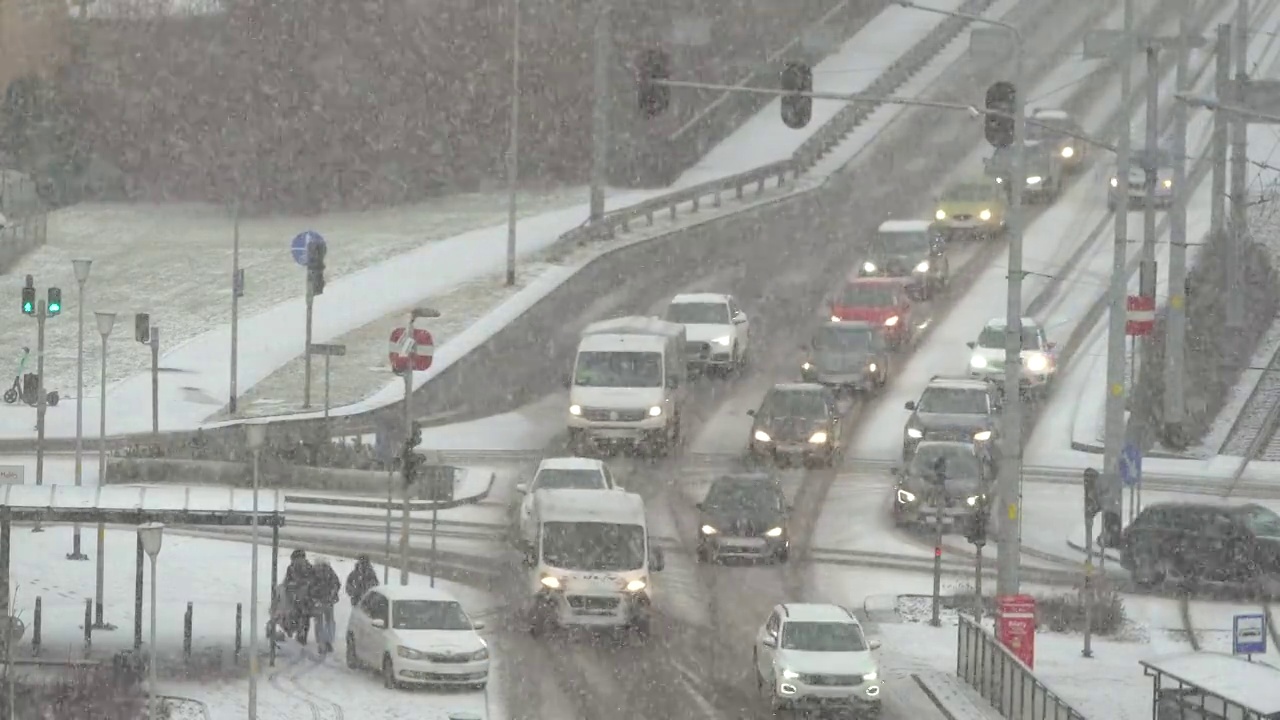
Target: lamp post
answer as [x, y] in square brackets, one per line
[257, 438]
[81, 268]
[106, 321]
[151, 535]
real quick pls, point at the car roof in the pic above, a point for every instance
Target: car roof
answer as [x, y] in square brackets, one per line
[817, 612]
[745, 477]
[621, 508]
[959, 383]
[1001, 323]
[905, 226]
[622, 343]
[700, 298]
[1051, 114]
[571, 463]
[850, 325]
[797, 387]
[415, 591]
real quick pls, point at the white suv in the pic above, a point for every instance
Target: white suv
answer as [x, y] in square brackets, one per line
[563, 473]
[716, 329]
[1039, 356]
[811, 656]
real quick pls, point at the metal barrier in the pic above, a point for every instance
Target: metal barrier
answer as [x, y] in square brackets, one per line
[26, 218]
[1003, 680]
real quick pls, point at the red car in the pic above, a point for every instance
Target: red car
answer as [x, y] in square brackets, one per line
[878, 300]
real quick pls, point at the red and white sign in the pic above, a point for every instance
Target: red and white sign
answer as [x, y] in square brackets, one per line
[1016, 626]
[1140, 318]
[419, 347]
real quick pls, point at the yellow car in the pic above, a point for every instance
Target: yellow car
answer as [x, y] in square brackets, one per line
[972, 207]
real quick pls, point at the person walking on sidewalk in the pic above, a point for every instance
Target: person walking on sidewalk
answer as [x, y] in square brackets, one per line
[362, 579]
[325, 591]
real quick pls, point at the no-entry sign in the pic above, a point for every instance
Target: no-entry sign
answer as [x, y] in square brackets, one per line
[1140, 315]
[417, 347]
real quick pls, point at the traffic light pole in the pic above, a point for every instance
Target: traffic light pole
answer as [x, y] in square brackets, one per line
[306, 370]
[1088, 586]
[410, 352]
[154, 342]
[936, 620]
[42, 315]
[977, 581]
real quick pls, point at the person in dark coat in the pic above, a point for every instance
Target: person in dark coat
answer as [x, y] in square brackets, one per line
[297, 583]
[324, 591]
[362, 578]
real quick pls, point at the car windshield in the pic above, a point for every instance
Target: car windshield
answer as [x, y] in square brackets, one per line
[428, 615]
[956, 462]
[606, 547]
[1159, 158]
[992, 338]
[1263, 522]
[1037, 157]
[969, 192]
[868, 295]
[1047, 129]
[953, 401]
[853, 339]
[823, 637]
[794, 403]
[618, 369]
[561, 479]
[699, 313]
[903, 243]
[743, 495]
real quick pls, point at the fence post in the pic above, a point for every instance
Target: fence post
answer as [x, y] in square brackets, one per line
[88, 625]
[239, 620]
[35, 629]
[186, 634]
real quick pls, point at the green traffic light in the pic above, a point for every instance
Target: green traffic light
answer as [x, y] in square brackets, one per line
[28, 308]
[55, 308]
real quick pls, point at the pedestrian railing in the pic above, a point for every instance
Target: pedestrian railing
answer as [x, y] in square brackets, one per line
[1003, 680]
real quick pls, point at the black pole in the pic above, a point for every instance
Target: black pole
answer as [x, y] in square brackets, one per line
[137, 596]
[275, 562]
[5, 526]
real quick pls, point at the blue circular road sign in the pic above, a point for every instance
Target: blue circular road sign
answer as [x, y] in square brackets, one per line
[301, 243]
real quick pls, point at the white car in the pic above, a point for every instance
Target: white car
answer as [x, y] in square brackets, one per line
[417, 635]
[1039, 356]
[812, 656]
[718, 332]
[565, 473]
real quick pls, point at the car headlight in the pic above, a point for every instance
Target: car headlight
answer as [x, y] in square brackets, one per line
[868, 267]
[790, 674]
[481, 654]
[870, 676]
[914, 433]
[722, 340]
[871, 367]
[655, 411]
[977, 362]
[940, 215]
[708, 530]
[774, 532]
[806, 365]
[410, 654]
[1034, 180]
[984, 435]
[891, 321]
[835, 318]
[1167, 184]
[923, 266]
[984, 215]
[818, 438]
[905, 496]
[1068, 152]
[1115, 182]
[552, 582]
[636, 585]
[1037, 363]
[762, 436]
[972, 500]
[575, 409]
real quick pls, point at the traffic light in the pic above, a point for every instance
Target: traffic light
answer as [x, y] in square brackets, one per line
[410, 463]
[1092, 503]
[142, 327]
[797, 110]
[29, 300]
[415, 434]
[978, 522]
[315, 267]
[999, 127]
[653, 65]
[55, 301]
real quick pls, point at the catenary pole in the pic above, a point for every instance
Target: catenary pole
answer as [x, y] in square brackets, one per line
[513, 151]
[1239, 189]
[1144, 349]
[81, 268]
[1115, 407]
[603, 56]
[1176, 335]
[235, 308]
[1218, 182]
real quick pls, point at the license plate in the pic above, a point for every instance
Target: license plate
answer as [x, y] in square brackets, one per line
[744, 543]
[617, 434]
[592, 611]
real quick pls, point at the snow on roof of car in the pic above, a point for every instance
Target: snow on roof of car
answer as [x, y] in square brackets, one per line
[999, 323]
[879, 281]
[957, 382]
[570, 463]
[797, 387]
[1256, 686]
[1051, 114]
[633, 325]
[818, 612]
[415, 591]
[905, 226]
[700, 298]
[620, 508]
[621, 342]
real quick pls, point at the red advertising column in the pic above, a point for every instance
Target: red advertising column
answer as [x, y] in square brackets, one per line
[1016, 626]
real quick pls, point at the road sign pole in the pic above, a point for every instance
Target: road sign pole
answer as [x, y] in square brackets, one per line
[410, 352]
[1088, 586]
[306, 371]
[326, 388]
[154, 342]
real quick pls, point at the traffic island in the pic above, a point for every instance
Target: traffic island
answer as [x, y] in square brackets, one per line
[1058, 613]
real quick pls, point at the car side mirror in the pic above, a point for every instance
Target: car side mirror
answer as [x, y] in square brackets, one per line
[478, 624]
[739, 318]
[657, 560]
[874, 644]
[971, 344]
[522, 488]
[700, 506]
[910, 405]
[568, 381]
[379, 623]
[769, 641]
[751, 413]
[619, 488]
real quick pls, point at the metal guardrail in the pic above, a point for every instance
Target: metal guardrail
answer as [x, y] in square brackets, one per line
[1003, 680]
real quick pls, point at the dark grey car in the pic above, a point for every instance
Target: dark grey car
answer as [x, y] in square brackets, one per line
[1044, 171]
[944, 480]
[847, 356]
[953, 409]
[796, 422]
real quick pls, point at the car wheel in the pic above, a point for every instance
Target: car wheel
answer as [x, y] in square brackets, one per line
[703, 554]
[783, 554]
[389, 673]
[1147, 571]
[353, 660]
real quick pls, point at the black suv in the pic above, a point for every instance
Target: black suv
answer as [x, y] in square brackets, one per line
[955, 409]
[945, 481]
[744, 516]
[914, 249]
[1194, 543]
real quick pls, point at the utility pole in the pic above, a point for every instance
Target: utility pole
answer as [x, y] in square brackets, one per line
[1239, 183]
[1218, 183]
[1115, 425]
[237, 289]
[1140, 406]
[1176, 335]
[603, 56]
[513, 151]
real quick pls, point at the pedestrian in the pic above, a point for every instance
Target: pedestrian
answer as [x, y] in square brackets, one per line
[297, 583]
[325, 590]
[362, 578]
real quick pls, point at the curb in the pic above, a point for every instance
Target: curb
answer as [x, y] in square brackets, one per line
[1081, 549]
[933, 697]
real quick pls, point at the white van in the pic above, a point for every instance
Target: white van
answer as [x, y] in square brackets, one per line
[628, 384]
[590, 561]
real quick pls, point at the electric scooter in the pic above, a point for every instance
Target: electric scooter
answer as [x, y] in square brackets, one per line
[14, 391]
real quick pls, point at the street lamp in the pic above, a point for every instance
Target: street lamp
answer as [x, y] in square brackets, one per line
[105, 321]
[1009, 547]
[81, 268]
[151, 534]
[257, 438]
